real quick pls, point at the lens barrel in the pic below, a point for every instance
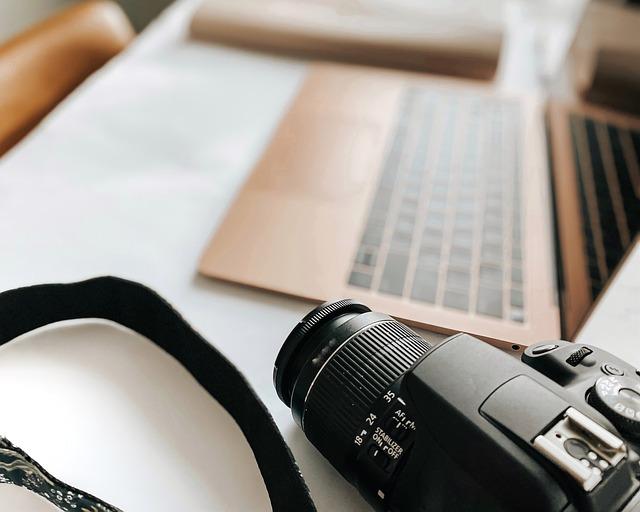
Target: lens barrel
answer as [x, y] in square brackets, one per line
[335, 365]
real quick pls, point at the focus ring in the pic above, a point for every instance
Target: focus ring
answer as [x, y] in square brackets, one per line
[327, 310]
[295, 341]
[351, 381]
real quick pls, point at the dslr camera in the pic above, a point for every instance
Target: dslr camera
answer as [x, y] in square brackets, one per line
[462, 425]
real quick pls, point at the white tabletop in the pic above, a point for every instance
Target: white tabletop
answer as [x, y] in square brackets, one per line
[129, 177]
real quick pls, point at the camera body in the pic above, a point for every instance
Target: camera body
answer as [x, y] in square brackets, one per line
[463, 425]
[487, 428]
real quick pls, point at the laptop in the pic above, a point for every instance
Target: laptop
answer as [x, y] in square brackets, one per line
[438, 201]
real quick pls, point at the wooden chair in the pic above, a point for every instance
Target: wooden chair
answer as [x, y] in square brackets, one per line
[41, 66]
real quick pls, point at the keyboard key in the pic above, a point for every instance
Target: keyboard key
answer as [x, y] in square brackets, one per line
[516, 298]
[439, 190]
[516, 233]
[455, 299]
[401, 237]
[381, 203]
[372, 236]
[413, 180]
[438, 204]
[611, 248]
[411, 196]
[517, 315]
[494, 204]
[489, 301]
[425, 286]
[516, 253]
[492, 237]
[461, 243]
[629, 199]
[635, 139]
[429, 256]
[460, 257]
[395, 269]
[490, 274]
[612, 258]
[367, 256]
[465, 218]
[491, 253]
[466, 194]
[493, 218]
[432, 245]
[466, 206]
[400, 245]
[435, 218]
[431, 236]
[462, 238]
[516, 274]
[377, 220]
[360, 279]
[458, 279]
[404, 226]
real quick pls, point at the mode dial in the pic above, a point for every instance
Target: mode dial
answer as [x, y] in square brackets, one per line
[618, 398]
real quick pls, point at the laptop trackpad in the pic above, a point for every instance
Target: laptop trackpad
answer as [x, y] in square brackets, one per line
[327, 157]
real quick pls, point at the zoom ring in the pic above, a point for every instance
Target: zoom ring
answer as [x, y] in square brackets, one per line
[351, 381]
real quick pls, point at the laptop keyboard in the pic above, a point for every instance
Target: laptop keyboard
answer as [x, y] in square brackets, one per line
[445, 223]
[607, 164]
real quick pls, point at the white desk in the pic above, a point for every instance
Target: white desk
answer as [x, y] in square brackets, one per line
[129, 177]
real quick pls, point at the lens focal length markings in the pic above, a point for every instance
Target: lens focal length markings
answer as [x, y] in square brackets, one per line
[355, 377]
[344, 382]
[383, 445]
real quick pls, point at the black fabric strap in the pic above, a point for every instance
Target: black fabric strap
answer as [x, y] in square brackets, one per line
[144, 311]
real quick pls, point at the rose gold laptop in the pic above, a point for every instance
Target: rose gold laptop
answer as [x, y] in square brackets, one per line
[431, 199]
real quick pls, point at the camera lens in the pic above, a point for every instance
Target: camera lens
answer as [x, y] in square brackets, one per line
[336, 364]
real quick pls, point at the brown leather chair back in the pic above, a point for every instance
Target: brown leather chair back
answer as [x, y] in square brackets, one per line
[39, 67]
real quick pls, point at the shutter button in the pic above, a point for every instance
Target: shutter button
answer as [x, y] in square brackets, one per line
[543, 349]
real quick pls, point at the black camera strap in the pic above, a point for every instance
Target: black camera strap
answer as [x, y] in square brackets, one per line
[144, 311]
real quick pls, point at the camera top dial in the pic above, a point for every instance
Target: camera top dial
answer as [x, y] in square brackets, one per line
[618, 398]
